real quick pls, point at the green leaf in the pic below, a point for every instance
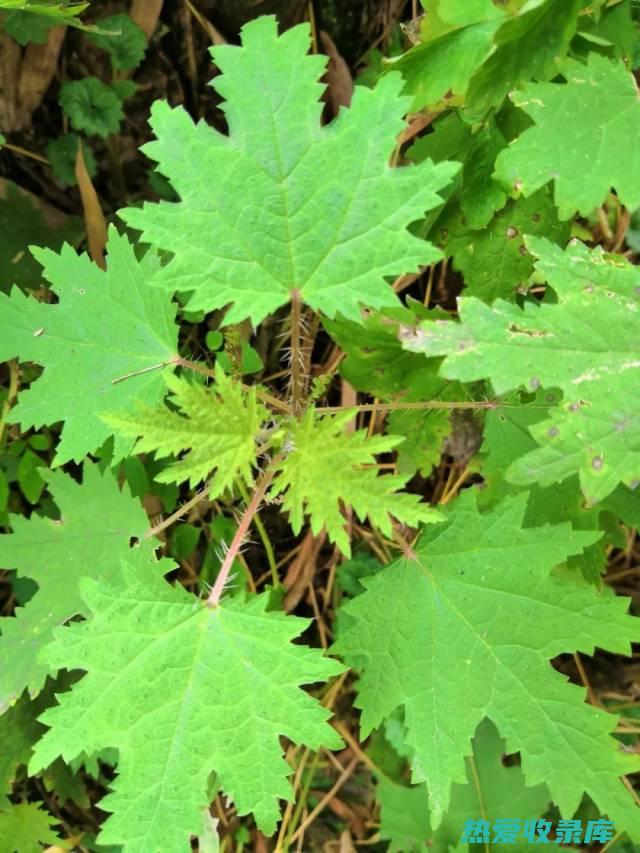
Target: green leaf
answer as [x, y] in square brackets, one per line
[326, 466]
[251, 226]
[218, 427]
[495, 261]
[183, 690]
[25, 829]
[29, 479]
[123, 40]
[62, 13]
[404, 818]
[26, 28]
[507, 437]
[89, 540]
[433, 623]
[490, 789]
[61, 153]
[90, 365]
[377, 364]
[25, 220]
[91, 106]
[19, 730]
[596, 113]
[437, 73]
[585, 344]
[527, 46]
[478, 193]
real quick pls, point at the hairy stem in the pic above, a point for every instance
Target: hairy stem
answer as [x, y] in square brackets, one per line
[297, 356]
[397, 407]
[241, 532]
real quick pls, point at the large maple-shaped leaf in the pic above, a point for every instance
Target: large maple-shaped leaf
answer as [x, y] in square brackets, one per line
[283, 204]
[183, 690]
[586, 344]
[89, 540]
[106, 326]
[217, 426]
[326, 467]
[596, 114]
[466, 629]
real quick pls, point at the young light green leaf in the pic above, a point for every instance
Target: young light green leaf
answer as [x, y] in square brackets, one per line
[89, 540]
[183, 690]
[90, 365]
[251, 226]
[217, 425]
[596, 114]
[25, 828]
[586, 344]
[325, 466]
[434, 625]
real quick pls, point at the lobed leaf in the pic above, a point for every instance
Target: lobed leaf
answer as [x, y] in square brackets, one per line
[252, 225]
[214, 428]
[183, 690]
[102, 345]
[585, 344]
[90, 539]
[437, 642]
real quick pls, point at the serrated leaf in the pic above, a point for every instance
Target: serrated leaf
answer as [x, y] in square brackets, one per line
[596, 113]
[91, 365]
[495, 261]
[251, 226]
[25, 828]
[183, 690]
[91, 106]
[89, 540]
[216, 425]
[586, 344]
[326, 466]
[431, 624]
[123, 40]
[490, 789]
